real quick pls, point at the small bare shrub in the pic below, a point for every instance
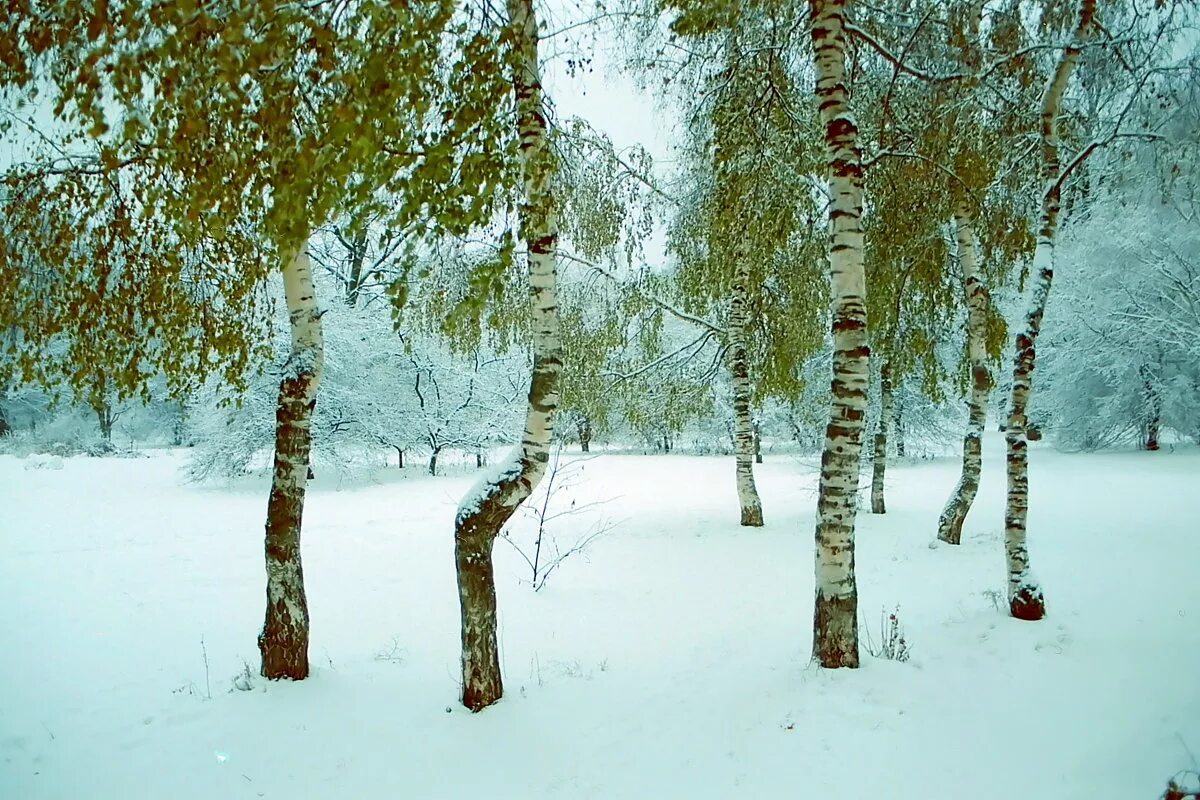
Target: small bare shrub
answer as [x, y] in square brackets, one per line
[891, 643]
[997, 598]
[244, 680]
[394, 653]
[549, 550]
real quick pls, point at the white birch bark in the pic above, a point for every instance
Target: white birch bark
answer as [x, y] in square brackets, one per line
[483, 512]
[739, 366]
[976, 297]
[835, 616]
[879, 457]
[283, 641]
[1026, 600]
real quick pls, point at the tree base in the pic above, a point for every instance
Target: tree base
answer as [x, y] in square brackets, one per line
[878, 506]
[1028, 604]
[483, 693]
[951, 532]
[481, 682]
[283, 659]
[835, 632]
[752, 517]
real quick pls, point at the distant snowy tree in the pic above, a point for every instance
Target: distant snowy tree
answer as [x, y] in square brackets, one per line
[1123, 360]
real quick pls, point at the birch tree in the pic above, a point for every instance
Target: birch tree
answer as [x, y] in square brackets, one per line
[835, 616]
[951, 149]
[742, 233]
[1025, 597]
[272, 119]
[485, 510]
[976, 298]
[934, 158]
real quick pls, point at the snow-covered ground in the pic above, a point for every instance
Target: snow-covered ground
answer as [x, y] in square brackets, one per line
[672, 661]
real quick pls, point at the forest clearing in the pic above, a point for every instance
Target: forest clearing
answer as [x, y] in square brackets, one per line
[599, 398]
[672, 658]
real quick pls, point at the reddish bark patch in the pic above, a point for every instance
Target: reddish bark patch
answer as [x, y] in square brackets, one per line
[1028, 604]
[836, 627]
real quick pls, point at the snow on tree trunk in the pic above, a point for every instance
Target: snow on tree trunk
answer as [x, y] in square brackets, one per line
[976, 295]
[879, 461]
[835, 616]
[284, 638]
[743, 424]
[1025, 597]
[485, 509]
[433, 462]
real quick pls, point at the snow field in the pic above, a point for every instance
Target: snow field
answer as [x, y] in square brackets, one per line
[669, 661]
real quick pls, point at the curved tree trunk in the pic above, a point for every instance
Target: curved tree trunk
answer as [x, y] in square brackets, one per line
[283, 641]
[879, 461]
[743, 424]
[835, 616]
[483, 512]
[1025, 597]
[976, 295]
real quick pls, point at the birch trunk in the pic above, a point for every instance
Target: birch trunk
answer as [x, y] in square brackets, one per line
[283, 641]
[483, 513]
[976, 296]
[743, 424]
[879, 461]
[1025, 597]
[835, 615]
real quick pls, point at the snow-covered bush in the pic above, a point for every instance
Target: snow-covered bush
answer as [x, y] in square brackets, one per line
[383, 396]
[1122, 351]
